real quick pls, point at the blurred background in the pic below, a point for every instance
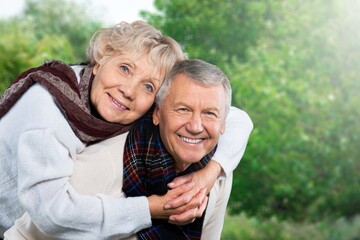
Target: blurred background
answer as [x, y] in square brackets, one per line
[294, 66]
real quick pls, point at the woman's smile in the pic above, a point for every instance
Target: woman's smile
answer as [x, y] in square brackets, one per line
[118, 105]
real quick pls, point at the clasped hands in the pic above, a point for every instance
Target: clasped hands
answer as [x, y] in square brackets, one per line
[187, 198]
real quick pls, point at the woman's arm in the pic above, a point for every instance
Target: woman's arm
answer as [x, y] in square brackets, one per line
[46, 152]
[232, 143]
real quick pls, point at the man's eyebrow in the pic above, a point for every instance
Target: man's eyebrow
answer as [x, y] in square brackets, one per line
[213, 109]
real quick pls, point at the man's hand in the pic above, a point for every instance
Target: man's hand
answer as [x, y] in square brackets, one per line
[191, 214]
[186, 200]
[203, 180]
[186, 211]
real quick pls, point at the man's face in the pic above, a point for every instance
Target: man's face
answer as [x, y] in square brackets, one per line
[124, 88]
[191, 120]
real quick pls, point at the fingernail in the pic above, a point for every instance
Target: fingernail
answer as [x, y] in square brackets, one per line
[167, 207]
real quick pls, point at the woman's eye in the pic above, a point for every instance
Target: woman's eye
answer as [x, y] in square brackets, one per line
[149, 87]
[124, 69]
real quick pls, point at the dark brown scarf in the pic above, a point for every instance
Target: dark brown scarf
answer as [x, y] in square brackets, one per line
[73, 99]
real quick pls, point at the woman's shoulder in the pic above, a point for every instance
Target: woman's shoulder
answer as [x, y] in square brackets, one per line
[37, 98]
[37, 108]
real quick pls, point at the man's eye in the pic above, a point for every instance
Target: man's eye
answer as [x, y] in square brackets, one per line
[182, 110]
[211, 114]
[124, 69]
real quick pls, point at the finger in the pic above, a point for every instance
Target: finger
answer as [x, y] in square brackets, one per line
[202, 208]
[197, 200]
[181, 196]
[184, 218]
[194, 209]
[180, 181]
[184, 199]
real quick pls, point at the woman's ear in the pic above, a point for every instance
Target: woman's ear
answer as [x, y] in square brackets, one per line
[156, 116]
[95, 68]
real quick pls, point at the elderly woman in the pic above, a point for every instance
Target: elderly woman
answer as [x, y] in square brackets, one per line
[51, 113]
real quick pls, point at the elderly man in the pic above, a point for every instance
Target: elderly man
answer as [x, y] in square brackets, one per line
[178, 137]
[181, 136]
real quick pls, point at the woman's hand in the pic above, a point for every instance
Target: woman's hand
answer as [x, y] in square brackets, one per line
[193, 212]
[204, 178]
[187, 198]
[194, 199]
[186, 208]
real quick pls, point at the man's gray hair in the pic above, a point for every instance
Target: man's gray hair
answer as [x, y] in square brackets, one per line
[202, 73]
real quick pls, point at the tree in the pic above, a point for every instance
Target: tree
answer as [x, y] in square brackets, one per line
[22, 50]
[213, 30]
[301, 160]
[44, 32]
[68, 18]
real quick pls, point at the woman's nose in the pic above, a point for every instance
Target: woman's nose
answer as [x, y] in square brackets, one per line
[128, 90]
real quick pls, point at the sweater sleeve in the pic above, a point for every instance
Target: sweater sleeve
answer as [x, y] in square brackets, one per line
[232, 143]
[45, 164]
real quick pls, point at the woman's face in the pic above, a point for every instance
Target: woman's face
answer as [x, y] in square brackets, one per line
[124, 88]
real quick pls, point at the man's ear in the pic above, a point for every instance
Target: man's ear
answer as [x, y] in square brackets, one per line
[156, 116]
[222, 129]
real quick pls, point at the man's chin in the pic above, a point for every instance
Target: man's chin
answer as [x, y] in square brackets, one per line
[188, 160]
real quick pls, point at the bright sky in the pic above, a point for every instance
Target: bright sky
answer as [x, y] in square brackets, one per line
[110, 11]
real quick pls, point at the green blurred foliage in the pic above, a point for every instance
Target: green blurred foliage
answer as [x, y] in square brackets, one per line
[22, 50]
[69, 19]
[302, 154]
[252, 228]
[43, 32]
[213, 30]
[295, 68]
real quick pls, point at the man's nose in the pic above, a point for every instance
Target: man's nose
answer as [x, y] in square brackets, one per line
[195, 124]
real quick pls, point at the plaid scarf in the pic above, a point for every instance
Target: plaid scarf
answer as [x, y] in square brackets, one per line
[148, 167]
[73, 99]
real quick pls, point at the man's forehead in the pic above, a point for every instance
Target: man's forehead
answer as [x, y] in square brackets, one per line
[186, 90]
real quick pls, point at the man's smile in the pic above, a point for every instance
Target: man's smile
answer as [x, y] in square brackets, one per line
[191, 140]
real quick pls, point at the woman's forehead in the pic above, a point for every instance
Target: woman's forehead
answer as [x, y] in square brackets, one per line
[144, 65]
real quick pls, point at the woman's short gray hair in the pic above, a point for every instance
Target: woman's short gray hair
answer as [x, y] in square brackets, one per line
[202, 73]
[136, 39]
